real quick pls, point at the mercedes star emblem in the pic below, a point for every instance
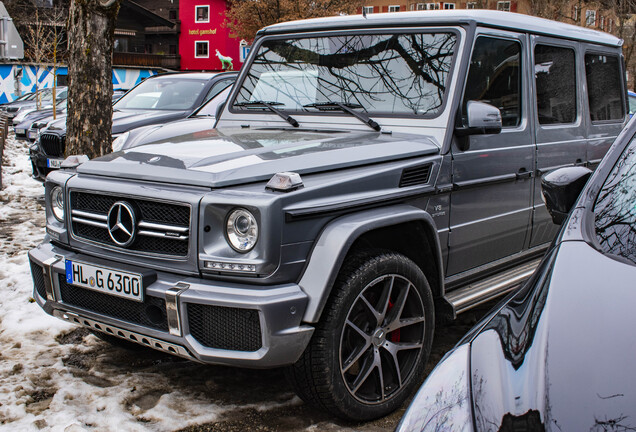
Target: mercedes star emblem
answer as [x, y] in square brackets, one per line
[122, 223]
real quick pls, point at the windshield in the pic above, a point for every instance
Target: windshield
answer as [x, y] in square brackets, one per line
[162, 94]
[615, 208]
[402, 73]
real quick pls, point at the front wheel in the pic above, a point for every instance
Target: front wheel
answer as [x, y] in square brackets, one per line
[370, 347]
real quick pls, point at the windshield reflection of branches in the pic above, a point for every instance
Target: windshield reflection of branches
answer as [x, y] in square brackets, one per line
[400, 73]
[615, 209]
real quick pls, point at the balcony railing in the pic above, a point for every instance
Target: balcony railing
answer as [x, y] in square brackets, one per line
[149, 60]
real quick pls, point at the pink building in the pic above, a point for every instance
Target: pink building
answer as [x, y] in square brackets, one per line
[205, 42]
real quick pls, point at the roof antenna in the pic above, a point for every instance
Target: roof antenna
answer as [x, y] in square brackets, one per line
[364, 12]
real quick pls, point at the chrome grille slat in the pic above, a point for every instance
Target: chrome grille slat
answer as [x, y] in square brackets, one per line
[162, 235]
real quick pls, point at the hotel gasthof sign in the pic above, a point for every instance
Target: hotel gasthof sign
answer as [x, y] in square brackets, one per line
[205, 42]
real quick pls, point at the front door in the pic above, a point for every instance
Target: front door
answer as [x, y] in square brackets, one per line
[491, 201]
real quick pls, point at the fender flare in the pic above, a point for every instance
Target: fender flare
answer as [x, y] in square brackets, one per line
[334, 243]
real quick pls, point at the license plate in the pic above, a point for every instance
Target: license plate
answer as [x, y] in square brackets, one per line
[32, 134]
[105, 280]
[20, 131]
[54, 163]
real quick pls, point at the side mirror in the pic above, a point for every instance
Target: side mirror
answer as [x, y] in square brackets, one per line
[561, 188]
[219, 110]
[483, 119]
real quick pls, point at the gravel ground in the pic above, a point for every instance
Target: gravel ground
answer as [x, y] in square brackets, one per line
[60, 378]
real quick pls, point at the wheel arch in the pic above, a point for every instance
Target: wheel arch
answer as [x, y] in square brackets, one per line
[401, 228]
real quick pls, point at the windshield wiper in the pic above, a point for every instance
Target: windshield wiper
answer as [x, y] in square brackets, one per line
[348, 108]
[270, 105]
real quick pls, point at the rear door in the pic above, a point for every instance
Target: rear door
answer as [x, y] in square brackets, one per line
[492, 178]
[559, 116]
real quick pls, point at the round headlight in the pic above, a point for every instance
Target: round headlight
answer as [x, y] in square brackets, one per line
[119, 142]
[57, 203]
[242, 230]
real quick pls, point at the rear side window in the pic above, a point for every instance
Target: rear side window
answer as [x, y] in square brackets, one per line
[555, 75]
[494, 78]
[603, 74]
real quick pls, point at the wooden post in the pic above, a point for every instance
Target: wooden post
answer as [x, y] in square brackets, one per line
[3, 136]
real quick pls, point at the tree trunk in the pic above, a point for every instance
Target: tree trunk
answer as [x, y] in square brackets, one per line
[91, 27]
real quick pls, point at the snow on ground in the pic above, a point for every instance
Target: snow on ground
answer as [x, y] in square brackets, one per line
[56, 377]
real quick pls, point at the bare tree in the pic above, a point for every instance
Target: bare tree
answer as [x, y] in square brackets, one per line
[91, 27]
[246, 17]
[43, 32]
[625, 29]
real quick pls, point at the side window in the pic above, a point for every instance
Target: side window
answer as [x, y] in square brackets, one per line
[603, 74]
[494, 77]
[555, 76]
[217, 88]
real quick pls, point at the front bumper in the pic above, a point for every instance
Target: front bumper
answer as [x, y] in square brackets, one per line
[204, 320]
[40, 162]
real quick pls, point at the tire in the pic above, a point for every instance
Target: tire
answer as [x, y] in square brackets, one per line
[378, 320]
[119, 342]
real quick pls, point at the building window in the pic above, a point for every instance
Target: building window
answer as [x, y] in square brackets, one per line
[471, 5]
[367, 10]
[449, 5]
[503, 6]
[601, 22]
[201, 49]
[427, 6]
[576, 14]
[202, 14]
[394, 8]
[610, 25]
[590, 18]
[172, 14]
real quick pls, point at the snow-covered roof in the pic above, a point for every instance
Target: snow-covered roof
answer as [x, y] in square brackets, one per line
[487, 18]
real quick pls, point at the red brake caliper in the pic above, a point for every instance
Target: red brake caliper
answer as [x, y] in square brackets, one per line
[394, 336]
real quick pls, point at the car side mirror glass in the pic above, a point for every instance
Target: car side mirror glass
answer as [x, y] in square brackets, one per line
[483, 119]
[561, 188]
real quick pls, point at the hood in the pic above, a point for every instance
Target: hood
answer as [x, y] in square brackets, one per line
[189, 128]
[216, 158]
[124, 120]
[560, 354]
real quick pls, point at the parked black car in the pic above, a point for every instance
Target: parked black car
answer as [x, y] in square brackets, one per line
[156, 100]
[559, 353]
[12, 108]
[200, 124]
[39, 118]
[46, 102]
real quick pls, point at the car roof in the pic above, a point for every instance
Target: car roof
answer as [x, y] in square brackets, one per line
[488, 18]
[187, 75]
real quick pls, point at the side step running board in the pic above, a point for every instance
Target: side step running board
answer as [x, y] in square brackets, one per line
[469, 296]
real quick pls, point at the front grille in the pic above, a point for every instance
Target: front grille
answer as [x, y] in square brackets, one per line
[225, 327]
[150, 313]
[53, 145]
[38, 279]
[162, 228]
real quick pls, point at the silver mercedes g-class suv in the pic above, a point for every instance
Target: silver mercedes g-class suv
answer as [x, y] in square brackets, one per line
[366, 175]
